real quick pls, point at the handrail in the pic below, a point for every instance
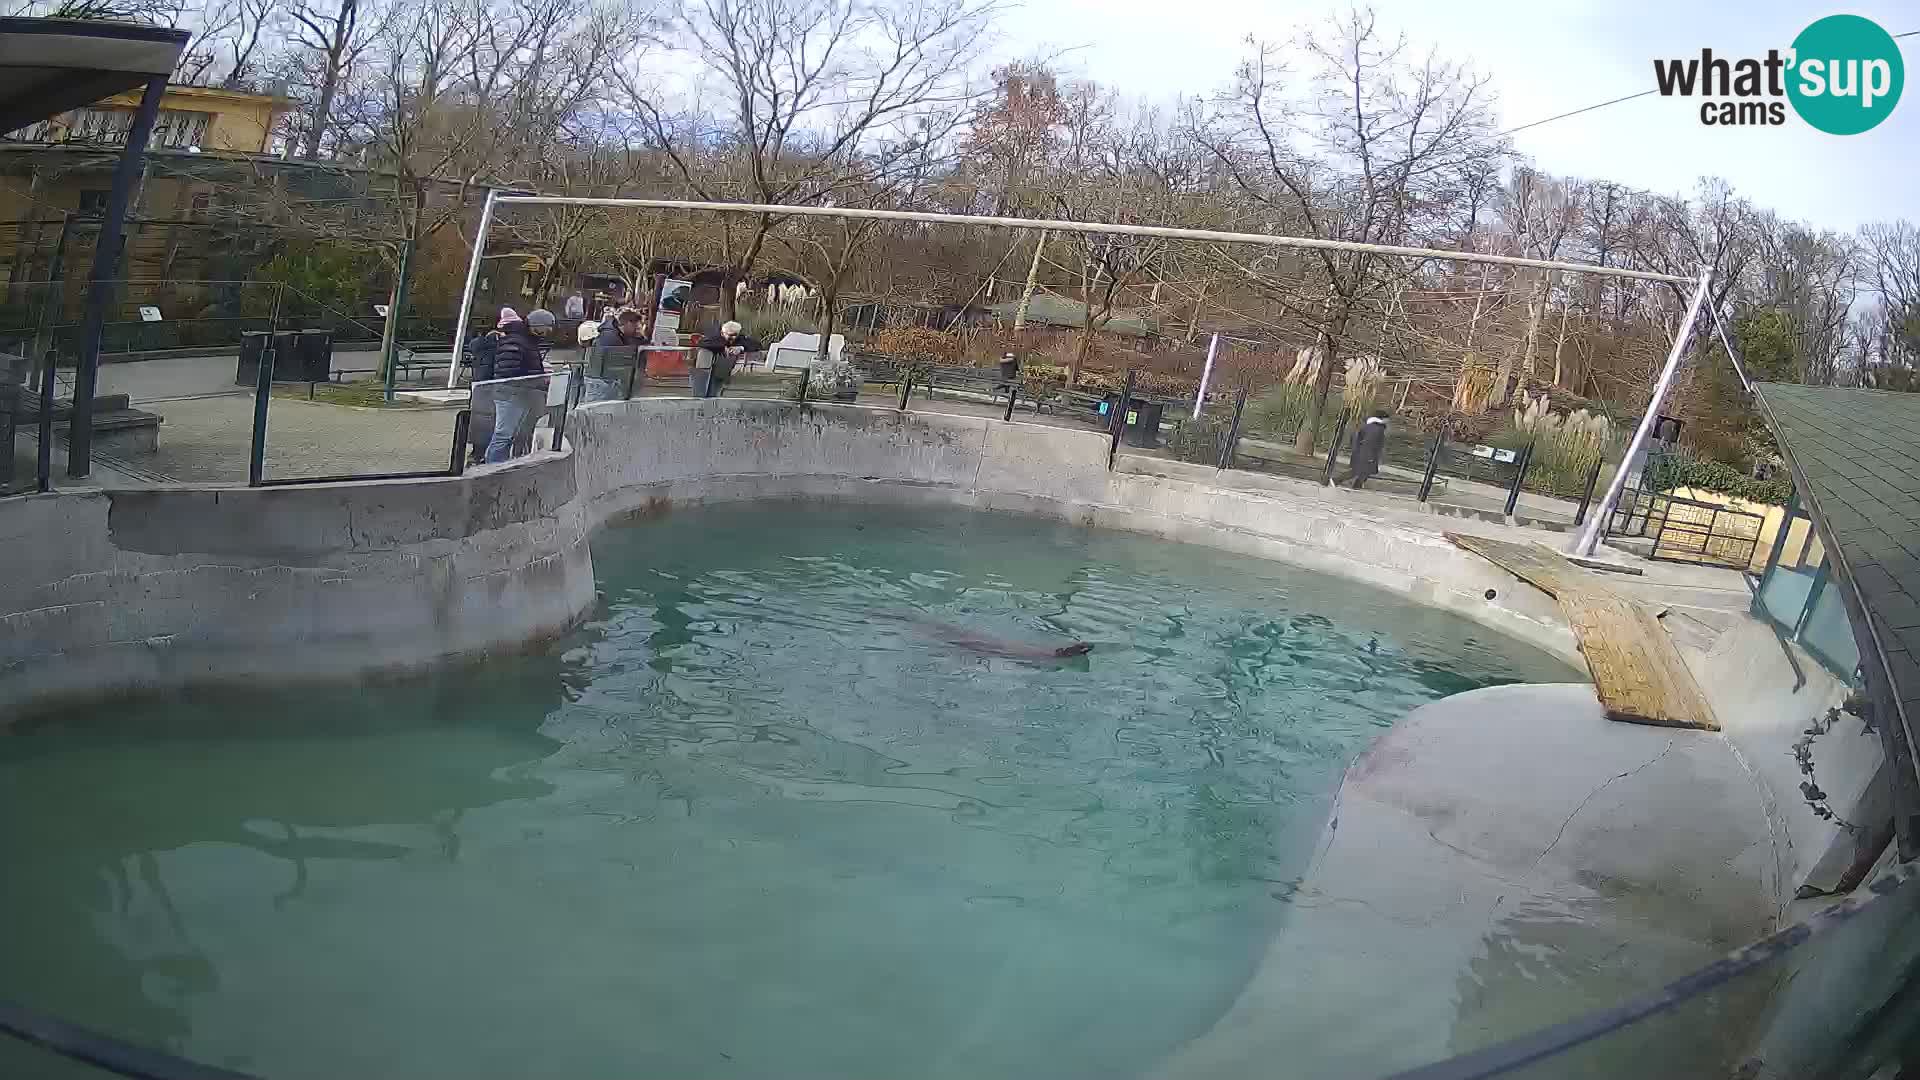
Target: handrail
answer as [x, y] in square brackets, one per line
[1547, 1041]
[125, 1059]
[102, 1051]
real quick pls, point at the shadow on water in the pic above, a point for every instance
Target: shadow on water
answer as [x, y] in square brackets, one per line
[94, 801]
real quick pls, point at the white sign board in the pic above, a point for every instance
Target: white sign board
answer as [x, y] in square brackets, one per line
[557, 388]
[797, 350]
[149, 314]
[675, 295]
[1495, 455]
[381, 310]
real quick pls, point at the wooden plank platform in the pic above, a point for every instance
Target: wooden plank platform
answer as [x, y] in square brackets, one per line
[1637, 670]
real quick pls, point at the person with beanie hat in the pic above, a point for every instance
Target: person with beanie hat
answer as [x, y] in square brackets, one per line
[517, 404]
[480, 353]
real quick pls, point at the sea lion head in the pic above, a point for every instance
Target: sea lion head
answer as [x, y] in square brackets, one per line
[1078, 648]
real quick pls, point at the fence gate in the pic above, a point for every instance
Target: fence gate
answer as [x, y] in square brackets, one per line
[1688, 530]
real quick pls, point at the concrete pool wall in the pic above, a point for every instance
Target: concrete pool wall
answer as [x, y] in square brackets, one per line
[158, 588]
[1470, 838]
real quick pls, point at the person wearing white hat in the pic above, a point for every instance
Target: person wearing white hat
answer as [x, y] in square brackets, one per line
[718, 354]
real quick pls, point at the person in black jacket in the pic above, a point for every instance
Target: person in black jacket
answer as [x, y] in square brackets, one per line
[718, 353]
[517, 404]
[620, 331]
[1369, 442]
[480, 351]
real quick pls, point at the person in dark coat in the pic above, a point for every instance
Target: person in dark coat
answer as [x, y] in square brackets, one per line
[718, 353]
[517, 405]
[620, 331]
[480, 350]
[1369, 442]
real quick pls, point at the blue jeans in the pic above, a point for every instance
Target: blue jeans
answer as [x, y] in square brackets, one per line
[515, 405]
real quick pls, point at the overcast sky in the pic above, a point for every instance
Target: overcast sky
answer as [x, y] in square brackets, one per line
[1548, 57]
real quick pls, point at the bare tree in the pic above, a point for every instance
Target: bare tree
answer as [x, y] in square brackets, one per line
[231, 41]
[1387, 131]
[1539, 213]
[329, 37]
[820, 96]
[153, 12]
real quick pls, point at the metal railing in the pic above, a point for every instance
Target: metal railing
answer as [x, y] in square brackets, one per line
[1844, 1026]
[1687, 530]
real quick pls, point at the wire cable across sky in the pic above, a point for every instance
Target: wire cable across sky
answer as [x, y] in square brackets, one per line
[1617, 101]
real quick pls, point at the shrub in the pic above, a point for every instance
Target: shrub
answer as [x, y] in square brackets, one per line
[1473, 393]
[1278, 412]
[1565, 448]
[826, 378]
[770, 324]
[1198, 440]
[916, 344]
[1366, 376]
[1680, 467]
[1043, 374]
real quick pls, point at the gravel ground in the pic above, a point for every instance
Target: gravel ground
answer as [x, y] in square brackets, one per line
[207, 440]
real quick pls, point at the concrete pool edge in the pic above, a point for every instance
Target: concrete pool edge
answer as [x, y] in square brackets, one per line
[131, 590]
[155, 589]
[756, 449]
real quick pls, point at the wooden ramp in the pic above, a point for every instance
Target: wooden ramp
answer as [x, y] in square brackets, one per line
[1636, 668]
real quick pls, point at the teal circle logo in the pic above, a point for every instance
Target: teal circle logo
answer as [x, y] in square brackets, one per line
[1846, 76]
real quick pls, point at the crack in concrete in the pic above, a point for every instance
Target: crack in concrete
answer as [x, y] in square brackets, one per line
[1591, 795]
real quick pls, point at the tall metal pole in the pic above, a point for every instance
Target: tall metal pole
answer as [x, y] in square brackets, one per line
[1206, 374]
[390, 342]
[106, 264]
[473, 280]
[1589, 536]
[1079, 227]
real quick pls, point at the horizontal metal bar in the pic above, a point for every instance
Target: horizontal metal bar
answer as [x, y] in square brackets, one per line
[1523, 1050]
[1161, 231]
[103, 1051]
[355, 478]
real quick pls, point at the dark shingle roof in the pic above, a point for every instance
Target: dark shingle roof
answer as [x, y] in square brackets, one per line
[1856, 454]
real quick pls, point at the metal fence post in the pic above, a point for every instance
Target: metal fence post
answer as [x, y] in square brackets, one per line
[1013, 394]
[1227, 448]
[108, 253]
[806, 376]
[1519, 475]
[1433, 462]
[1586, 497]
[462, 422]
[906, 387]
[1117, 423]
[576, 384]
[43, 459]
[262, 391]
[1339, 429]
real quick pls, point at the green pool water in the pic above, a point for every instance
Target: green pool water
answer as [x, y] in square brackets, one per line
[759, 817]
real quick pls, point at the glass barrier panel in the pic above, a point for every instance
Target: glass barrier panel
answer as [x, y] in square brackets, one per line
[1841, 1003]
[1828, 634]
[1783, 596]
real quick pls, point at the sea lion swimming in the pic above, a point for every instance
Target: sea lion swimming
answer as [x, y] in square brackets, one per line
[988, 645]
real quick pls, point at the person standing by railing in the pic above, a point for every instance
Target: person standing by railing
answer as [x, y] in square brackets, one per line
[621, 331]
[718, 355]
[480, 350]
[517, 403]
